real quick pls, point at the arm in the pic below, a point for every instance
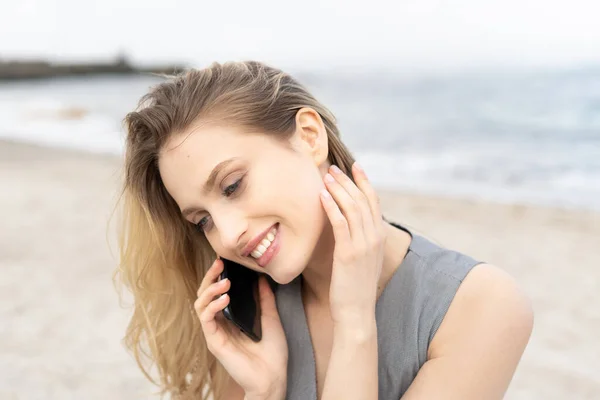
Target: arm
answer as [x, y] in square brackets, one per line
[355, 216]
[352, 370]
[477, 348]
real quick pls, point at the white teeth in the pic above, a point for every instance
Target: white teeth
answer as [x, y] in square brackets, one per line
[264, 244]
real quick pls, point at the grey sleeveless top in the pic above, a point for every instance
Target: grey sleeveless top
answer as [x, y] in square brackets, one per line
[408, 314]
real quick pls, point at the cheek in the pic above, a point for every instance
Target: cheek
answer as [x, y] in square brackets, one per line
[293, 190]
[305, 203]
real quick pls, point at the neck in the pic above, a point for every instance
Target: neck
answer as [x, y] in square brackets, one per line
[317, 275]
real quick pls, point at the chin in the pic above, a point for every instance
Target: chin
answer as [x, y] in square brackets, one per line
[286, 267]
[286, 272]
[284, 277]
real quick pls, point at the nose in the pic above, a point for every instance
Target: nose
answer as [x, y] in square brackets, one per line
[231, 227]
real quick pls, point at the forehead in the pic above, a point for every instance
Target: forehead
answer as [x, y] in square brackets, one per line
[187, 158]
[203, 145]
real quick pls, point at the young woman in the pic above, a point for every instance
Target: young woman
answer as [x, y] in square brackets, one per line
[240, 161]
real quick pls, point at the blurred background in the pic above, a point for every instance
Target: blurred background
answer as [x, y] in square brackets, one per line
[479, 121]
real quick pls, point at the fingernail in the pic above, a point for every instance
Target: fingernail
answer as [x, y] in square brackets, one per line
[358, 167]
[329, 178]
[335, 169]
[222, 281]
[325, 194]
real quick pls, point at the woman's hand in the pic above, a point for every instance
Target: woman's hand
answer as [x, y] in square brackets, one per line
[260, 368]
[353, 210]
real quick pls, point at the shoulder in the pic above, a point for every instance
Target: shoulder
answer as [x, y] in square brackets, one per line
[437, 264]
[459, 295]
[433, 277]
[488, 304]
[479, 344]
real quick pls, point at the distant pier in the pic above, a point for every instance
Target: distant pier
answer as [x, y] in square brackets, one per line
[22, 70]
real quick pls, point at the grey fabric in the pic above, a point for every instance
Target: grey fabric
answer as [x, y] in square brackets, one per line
[408, 313]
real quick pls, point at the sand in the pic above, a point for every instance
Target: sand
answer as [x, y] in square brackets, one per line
[61, 324]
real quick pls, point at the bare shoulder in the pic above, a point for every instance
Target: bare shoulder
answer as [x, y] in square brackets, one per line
[480, 341]
[489, 302]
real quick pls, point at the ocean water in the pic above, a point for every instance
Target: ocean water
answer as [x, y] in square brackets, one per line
[521, 137]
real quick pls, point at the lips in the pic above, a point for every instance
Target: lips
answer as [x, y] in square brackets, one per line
[256, 241]
[272, 250]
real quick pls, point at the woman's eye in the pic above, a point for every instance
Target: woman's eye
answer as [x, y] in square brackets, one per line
[203, 224]
[229, 190]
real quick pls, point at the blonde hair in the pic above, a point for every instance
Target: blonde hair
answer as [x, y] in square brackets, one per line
[162, 257]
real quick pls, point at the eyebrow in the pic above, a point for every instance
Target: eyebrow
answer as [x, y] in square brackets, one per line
[210, 182]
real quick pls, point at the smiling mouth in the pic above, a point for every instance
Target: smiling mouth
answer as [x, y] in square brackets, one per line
[264, 245]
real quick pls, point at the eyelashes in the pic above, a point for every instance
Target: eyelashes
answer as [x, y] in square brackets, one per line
[231, 190]
[201, 225]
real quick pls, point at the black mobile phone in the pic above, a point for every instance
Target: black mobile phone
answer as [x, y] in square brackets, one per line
[243, 309]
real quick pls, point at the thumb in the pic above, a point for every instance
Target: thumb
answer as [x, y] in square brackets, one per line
[268, 307]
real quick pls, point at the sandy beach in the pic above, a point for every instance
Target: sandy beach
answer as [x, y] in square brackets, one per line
[61, 324]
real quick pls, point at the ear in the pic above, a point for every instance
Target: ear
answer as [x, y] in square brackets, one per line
[311, 135]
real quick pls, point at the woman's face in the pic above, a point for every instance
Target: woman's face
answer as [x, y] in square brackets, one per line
[260, 192]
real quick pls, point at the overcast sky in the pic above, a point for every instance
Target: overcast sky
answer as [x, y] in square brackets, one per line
[312, 33]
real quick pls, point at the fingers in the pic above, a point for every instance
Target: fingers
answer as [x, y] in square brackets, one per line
[207, 307]
[341, 230]
[355, 203]
[208, 315]
[211, 275]
[346, 201]
[214, 290]
[357, 196]
[362, 182]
